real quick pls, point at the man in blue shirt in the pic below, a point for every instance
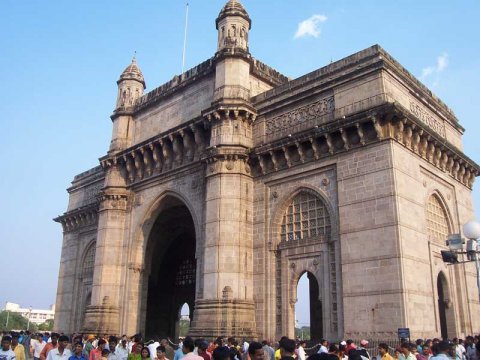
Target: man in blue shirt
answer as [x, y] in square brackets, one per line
[78, 352]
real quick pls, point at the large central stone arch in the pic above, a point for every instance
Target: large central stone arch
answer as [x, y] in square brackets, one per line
[142, 251]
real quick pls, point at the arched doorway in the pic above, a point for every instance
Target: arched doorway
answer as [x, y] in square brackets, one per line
[308, 309]
[171, 268]
[184, 321]
[445, 311]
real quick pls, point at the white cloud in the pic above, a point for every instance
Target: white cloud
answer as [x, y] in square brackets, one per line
[310, 27]
[442, 63]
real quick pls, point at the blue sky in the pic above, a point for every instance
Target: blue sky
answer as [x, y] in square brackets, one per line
[60, 61]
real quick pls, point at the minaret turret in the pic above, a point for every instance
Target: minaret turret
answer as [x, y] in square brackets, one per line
[130, 87]
[233, 25]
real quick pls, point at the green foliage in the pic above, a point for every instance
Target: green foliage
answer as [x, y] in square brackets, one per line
[46, 326]
[13, 321]
[303, 332]
[183, 327]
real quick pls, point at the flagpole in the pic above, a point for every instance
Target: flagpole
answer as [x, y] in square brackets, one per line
[185, 40]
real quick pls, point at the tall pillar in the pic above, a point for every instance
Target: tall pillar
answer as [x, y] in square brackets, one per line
[102, 316]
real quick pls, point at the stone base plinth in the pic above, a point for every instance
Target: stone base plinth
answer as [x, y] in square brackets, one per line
[101, 319]
[213, 318]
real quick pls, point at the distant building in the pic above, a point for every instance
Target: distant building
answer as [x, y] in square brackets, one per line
[36, 316]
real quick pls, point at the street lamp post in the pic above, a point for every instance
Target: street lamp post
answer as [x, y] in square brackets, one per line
[472, 232]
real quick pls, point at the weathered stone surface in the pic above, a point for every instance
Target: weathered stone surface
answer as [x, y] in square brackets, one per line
[348, 157]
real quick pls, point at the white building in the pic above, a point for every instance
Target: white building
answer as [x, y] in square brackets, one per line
[36, 316]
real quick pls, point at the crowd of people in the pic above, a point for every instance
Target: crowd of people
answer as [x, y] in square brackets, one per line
[53, 346]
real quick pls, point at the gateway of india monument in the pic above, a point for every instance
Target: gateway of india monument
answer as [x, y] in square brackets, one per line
[225, 185]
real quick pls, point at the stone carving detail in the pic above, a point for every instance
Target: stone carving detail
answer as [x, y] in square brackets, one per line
[300, 115]
[161, 154]
[83, 217]
[423, 115]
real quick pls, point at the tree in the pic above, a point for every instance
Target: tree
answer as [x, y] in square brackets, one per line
[46, 326]
[13, 321]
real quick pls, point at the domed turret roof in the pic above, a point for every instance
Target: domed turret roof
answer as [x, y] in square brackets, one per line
[132, 72]
[233, 8]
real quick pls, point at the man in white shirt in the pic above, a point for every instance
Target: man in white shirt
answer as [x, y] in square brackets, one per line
[122, 349]
[301, 350]
[37, 346]
[61, 352]
[470, 348]
[152, 348]
[6, 353]
[323, 347]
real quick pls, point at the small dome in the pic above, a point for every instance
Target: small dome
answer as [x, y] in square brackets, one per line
[234, 8]
[132, 72]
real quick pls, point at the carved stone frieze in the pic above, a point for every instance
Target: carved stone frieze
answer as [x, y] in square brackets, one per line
[161, 154]
[113, 201]
[79, 218]
[301, 115]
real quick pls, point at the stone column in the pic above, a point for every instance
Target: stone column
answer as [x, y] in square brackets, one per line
[225, 304]
[102, 316]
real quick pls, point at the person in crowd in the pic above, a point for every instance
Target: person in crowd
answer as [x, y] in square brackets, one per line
[161, 353]
[405, 351]
[383, 352]
[221, 353]
[6, 353]
[105, 353]
[187, 348]
[350, 346]
[425, 353]
[202, 350]
[342, 355]
[323, 347]
[362, 349]
[255, 351]
[169, 352]
[78, 352]
[53, 344]
[269, 352]
[152, 346]
[232, 346]
[178, 353]
[419, 344]
[112, 349]
[37, 346]
[136, 353]
[287, 348]
[96, 354]
[470, 350]
[145, 353]
[26, 342]
[460, 351]
[17, 348]
[60, 352]
[301, 355]
[441, 350]
[122, 349]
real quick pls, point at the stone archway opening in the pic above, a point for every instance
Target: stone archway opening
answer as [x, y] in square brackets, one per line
[308, 309]
[171, 270]
[184, 321]
[445, 307]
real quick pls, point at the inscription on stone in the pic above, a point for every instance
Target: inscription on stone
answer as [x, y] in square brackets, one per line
[300, 115]
[421, 113]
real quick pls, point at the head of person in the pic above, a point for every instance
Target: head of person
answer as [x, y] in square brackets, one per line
[324, 342]
[443, 347]
[164, 342]
[161, 352]
[6, 342]
[255, 350]
[78, 348]
[14, 336]
[54, 337]
[426, 350]
[364, 343]
[105, 352]
[138, 347]
[349, 342]
[382, 349]
[469, 340]
[202, 347]
[221, 353]
[112, 342]
[287, 347]
[231, 341]
[101, 344]
[62, 342]
[333, 349]
[145, 353]
[188, 345]
[405, 348]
